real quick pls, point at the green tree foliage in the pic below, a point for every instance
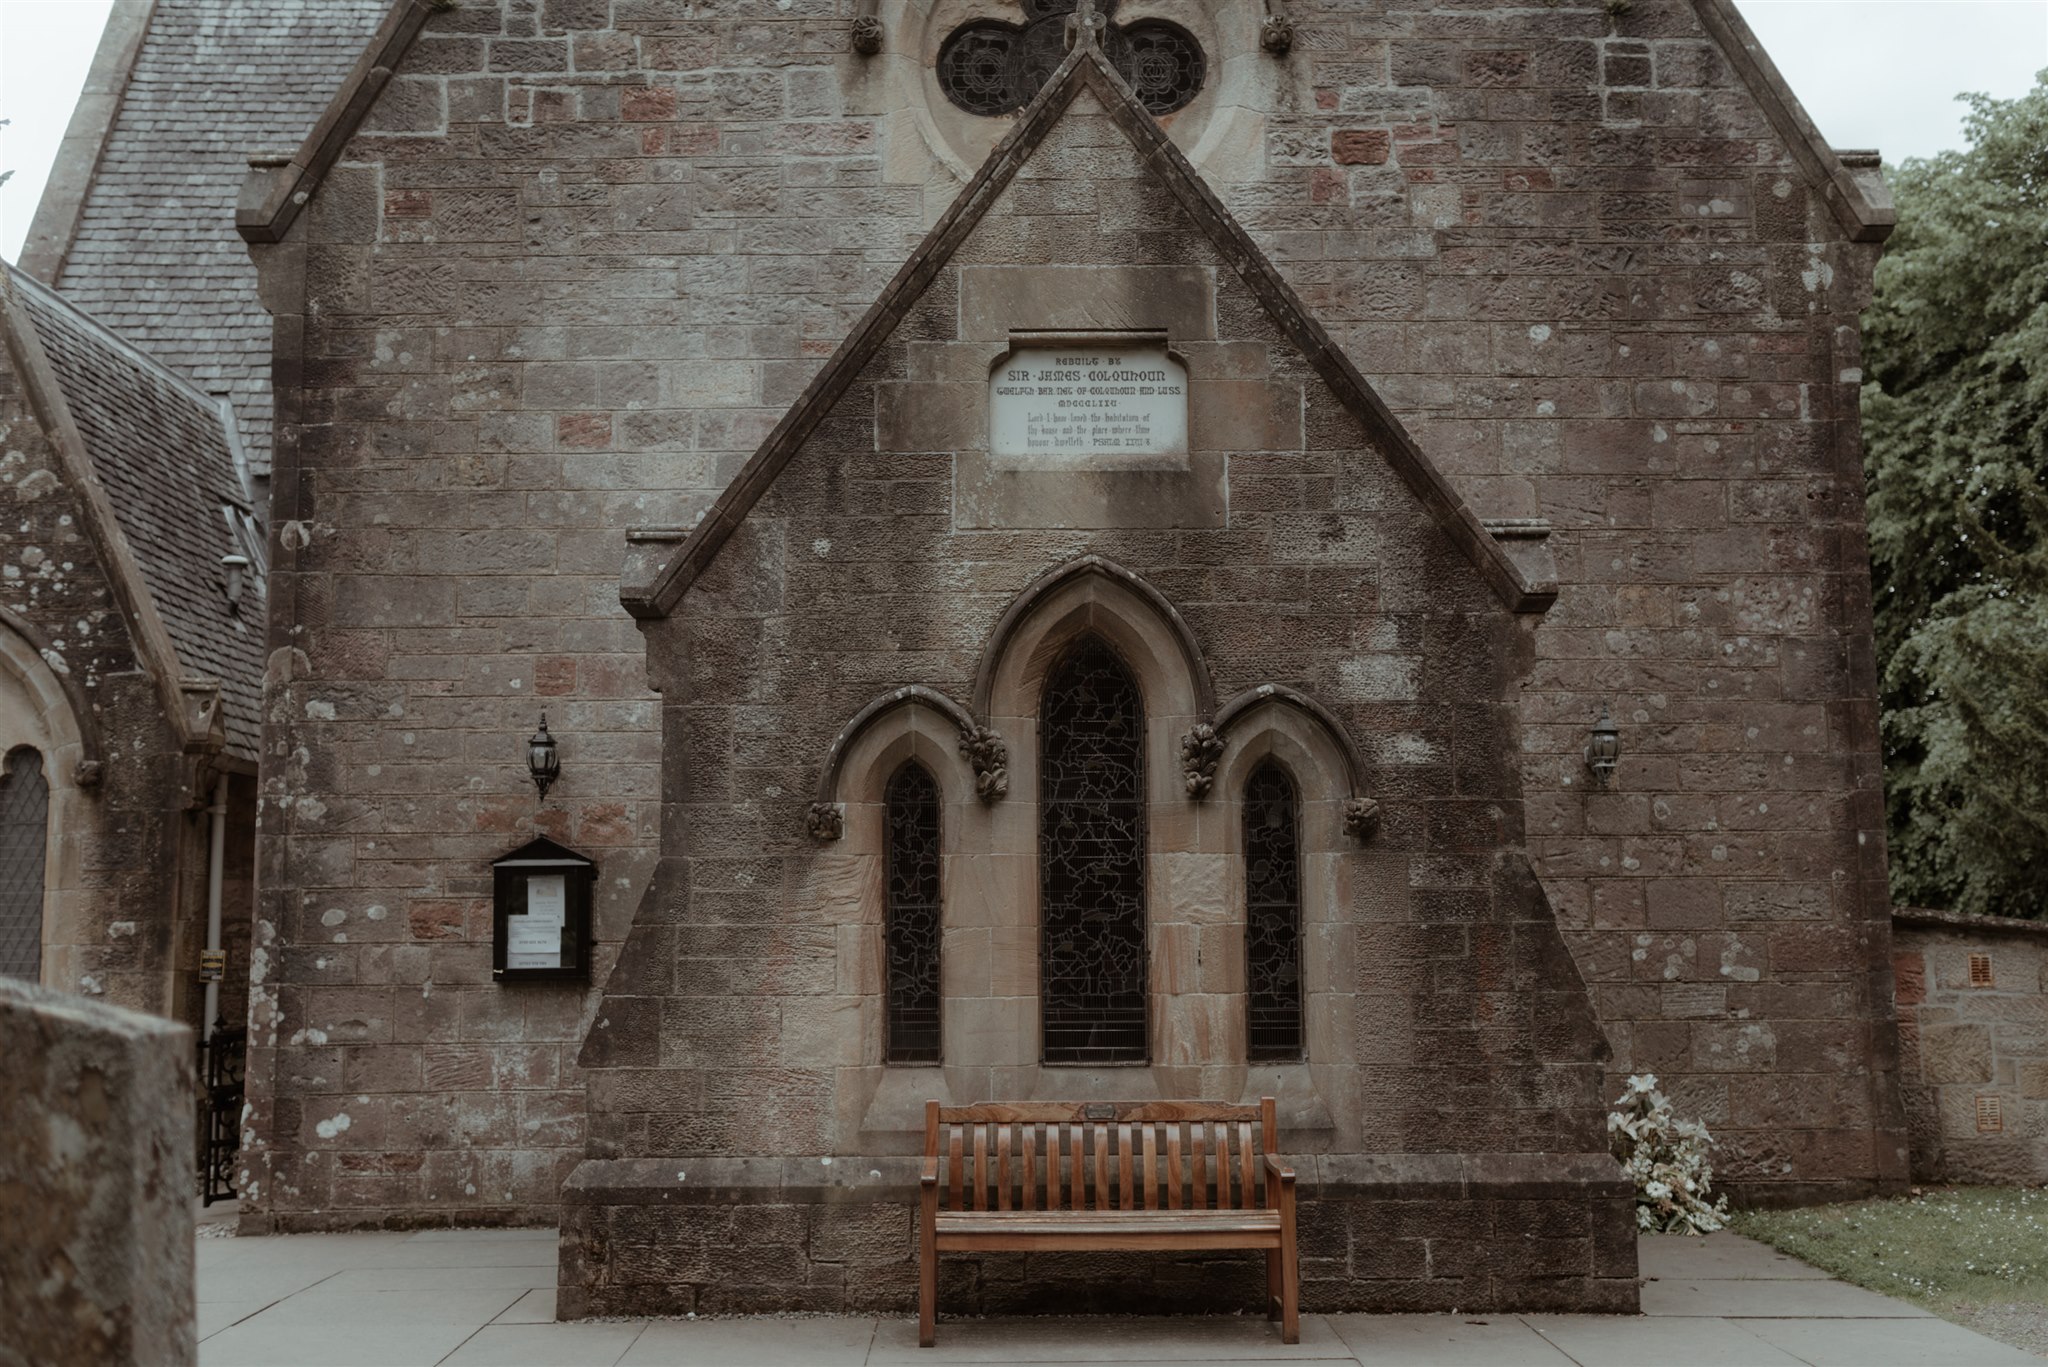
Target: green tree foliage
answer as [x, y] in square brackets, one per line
[1955, 419]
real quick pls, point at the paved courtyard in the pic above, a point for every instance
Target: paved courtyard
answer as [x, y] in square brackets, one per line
[470, 1298]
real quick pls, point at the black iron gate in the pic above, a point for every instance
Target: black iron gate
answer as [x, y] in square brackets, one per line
[221, 1059]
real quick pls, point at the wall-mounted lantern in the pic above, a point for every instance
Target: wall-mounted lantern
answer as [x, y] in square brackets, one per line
[234, 571]
[1603, 749]
[541, 760]
[540, 912]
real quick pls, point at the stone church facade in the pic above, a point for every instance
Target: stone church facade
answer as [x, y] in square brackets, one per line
[1521, 358]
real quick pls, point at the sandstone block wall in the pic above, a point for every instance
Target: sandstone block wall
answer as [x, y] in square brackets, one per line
[74, 687]
[1973, 1045]
[581, 256]
[96, 1164]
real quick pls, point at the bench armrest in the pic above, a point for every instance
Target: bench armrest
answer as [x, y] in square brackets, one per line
[1279, 1168]
[930, 1177]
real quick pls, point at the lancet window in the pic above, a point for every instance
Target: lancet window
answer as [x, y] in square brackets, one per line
[1092, 860]
[24, 829]
[911, 804]
[1272, 867]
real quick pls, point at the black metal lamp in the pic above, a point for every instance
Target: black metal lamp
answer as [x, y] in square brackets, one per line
[541, 760]
[1603, 749]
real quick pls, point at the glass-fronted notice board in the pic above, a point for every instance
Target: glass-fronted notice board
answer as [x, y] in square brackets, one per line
[541, 912]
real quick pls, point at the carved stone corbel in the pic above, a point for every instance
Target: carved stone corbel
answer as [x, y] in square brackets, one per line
[867, 29]
[990, 758]
[826, 820]
[1200, 751]
[1276, 30]
[1361, 818]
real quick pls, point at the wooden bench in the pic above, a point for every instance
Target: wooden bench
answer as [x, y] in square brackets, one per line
[1045, 1176]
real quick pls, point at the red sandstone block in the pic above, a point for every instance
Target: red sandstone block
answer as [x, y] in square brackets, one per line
[1909, 973]
[584, 431]
[554, 675]
[408, 203]
[1360, 146]
[647, 104]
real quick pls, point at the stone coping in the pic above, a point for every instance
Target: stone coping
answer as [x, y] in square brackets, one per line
[854, 1178]
[1962, 920]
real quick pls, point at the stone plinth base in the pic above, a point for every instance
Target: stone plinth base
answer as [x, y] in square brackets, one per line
[1378, 1233]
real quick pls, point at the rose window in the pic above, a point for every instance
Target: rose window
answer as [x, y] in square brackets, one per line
[992, 67]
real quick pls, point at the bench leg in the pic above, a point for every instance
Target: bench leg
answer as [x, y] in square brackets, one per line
[1273, 1280]
[927, 1282]
[1290, 1295]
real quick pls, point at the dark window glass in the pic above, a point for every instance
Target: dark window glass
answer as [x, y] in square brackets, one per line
[912, 804]
[1272, 937]
[24, 828]
[1091, 854]
[991, 67]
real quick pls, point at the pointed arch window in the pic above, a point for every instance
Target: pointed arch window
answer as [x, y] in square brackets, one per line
[1272, 865]
[911, 804]
[1091, 856]
[24, 831]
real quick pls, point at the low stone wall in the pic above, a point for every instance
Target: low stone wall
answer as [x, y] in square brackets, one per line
[1973, 1045]
[1401, 1233]
[96, 1181]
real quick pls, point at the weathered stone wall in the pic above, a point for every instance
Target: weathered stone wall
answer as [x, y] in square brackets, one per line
[740, 1038]
[1420, 1236]
[1973, 1045]
[115, 867]
[582, 255]
[96, 1165]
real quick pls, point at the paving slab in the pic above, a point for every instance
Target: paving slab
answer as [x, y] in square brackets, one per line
[1736, 1299]
[1121, 1339]
[535, 1307]
[518, 1277]
[1885, 1343]
[1446, 1341]
[1721, 1256]
[767, 1342]
[1634, 1341]
[548, 1345]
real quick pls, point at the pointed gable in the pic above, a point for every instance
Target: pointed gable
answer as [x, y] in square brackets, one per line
[1165, 179]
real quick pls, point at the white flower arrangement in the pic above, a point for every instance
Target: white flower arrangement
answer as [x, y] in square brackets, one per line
[1667, 1159]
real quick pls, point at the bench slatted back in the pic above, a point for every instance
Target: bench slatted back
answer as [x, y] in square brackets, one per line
[1101, 1155]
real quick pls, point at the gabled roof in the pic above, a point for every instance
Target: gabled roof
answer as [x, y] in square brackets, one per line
[152, 462]
[1085, 68]
[1850, 182]
[137, 224]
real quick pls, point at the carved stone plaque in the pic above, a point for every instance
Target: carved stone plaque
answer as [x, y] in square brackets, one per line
[1097, 405]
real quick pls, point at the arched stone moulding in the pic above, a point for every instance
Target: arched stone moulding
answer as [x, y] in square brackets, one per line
[827, 814]
[39, 709]
[1361, 810]
[1077, 581]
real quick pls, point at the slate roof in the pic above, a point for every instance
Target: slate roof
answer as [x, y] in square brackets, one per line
[156, 256]
[164, 453]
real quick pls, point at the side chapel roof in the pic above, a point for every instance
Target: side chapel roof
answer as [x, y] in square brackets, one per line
[163, 496]
[1085, 68]
[137, 224]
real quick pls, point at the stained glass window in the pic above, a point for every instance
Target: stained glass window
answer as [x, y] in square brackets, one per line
[1272, 869]
[24, 827]
[912, 933]
[1091, 857]
[991, 67]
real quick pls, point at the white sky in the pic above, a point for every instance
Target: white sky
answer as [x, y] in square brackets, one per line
[1872, 73]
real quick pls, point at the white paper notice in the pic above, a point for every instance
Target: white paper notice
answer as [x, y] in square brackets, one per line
[1105, 405]
[534, 940]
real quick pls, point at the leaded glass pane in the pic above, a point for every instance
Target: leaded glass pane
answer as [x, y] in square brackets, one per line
[1272, 868]
[992, 67]
[912, 803]
[1091, 858]
[24, 827]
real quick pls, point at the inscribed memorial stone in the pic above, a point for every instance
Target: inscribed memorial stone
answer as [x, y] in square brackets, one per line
[1104, 406]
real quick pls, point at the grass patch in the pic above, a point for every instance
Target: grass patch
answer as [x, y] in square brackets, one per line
[1976, 1255]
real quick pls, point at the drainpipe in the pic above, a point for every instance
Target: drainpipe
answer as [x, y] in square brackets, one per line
[216, 861]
